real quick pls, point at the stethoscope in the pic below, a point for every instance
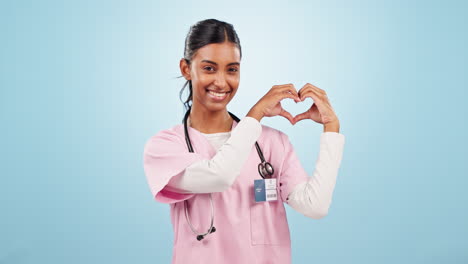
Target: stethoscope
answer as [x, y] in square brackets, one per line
[265, 169]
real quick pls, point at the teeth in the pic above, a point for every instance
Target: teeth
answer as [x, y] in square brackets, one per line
[217, 94]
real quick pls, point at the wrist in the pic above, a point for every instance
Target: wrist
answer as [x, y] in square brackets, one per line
[255, 114]
[332, 127]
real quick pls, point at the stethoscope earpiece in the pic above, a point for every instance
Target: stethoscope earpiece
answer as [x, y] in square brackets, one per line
[200, 237]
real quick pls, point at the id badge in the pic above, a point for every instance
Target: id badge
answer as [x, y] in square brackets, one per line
[265, 190]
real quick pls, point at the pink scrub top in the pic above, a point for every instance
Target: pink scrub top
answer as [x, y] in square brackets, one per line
[246, 231]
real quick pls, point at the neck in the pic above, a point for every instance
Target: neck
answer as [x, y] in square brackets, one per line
[210, 122]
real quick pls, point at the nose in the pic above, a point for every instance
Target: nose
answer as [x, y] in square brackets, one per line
[220, 80]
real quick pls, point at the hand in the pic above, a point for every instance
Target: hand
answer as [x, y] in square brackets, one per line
[321, 111]
[270, 104]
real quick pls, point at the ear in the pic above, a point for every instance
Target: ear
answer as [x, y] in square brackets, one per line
[185, 69]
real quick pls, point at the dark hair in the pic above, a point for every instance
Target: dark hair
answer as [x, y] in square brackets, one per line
[206, 32]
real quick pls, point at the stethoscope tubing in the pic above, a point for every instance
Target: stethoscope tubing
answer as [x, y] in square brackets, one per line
[261, 170]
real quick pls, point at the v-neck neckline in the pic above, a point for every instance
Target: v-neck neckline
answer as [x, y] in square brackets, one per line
[200, 134]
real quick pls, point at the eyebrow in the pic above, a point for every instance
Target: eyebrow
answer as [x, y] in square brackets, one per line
[212, 62]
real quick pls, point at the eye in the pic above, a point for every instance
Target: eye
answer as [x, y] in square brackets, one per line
[234, 69]
[208, 68]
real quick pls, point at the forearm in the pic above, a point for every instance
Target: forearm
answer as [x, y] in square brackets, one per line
[218, 173]
[313, 197]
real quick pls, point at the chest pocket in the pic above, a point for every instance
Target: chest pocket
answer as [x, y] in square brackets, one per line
[268, 223]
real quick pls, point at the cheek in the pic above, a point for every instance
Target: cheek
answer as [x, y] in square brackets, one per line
[199, 79]
[234, 90]
[234, 81]
[200, 84]
[204, 79]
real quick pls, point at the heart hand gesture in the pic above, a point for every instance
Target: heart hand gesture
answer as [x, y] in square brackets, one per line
[321, 111]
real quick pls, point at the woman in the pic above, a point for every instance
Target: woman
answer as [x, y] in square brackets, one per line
[206, 171]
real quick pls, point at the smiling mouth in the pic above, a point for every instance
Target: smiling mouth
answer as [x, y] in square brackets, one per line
[218, 95]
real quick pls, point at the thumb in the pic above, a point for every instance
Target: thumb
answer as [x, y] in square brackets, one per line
[287, 115]
[302, 116]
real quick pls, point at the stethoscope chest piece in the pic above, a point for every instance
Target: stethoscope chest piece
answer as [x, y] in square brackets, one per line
[265, 169]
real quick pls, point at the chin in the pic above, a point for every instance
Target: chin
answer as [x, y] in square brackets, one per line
[216, 107]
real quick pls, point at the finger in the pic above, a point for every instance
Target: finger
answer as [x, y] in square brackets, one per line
[300, 117]
[307, 87]
[283, 87]
[279, 88]
[287, 115]
[281, 96]
[304, 90]
[322, 96]
[312, 94]
[321, 91]
[322, 106]
[289, 89]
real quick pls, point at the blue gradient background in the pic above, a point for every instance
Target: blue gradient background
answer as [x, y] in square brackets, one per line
[84, 84]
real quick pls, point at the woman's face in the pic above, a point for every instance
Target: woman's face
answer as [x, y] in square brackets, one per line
[215, 75]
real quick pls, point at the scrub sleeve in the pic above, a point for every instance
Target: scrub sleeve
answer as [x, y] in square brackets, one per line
[165, 156]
